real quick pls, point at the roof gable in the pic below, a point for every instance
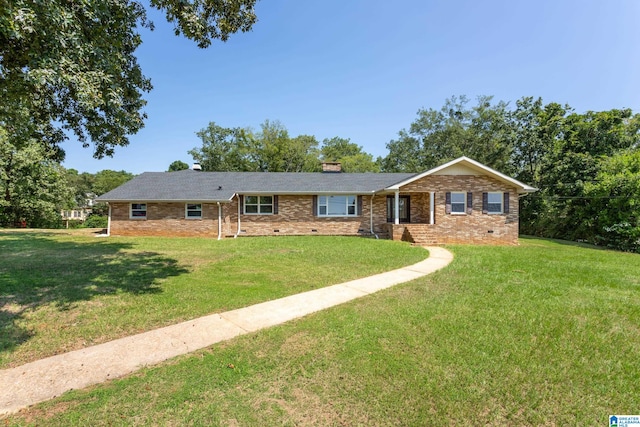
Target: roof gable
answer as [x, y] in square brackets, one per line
[466, 166]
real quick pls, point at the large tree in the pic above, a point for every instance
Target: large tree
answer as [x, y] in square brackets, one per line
[351, 155]
[70, 66]
[436, 136]
[33, 185]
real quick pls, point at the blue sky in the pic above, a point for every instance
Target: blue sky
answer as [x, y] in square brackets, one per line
[361, 69]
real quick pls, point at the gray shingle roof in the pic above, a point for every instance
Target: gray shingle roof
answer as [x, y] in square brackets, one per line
[190, 185]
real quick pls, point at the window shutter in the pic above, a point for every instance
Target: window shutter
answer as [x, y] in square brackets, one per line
[469, 203]
[359, 212]
[485, 203]
[505, 204]
[275, 205]
[315, 206]
[241, 201]
[447, 202]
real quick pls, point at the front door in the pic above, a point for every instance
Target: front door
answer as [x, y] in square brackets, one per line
[405, 208]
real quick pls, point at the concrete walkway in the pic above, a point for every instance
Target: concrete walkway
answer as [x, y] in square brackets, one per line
[47, 378]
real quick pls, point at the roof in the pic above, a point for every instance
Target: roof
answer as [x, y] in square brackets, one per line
[466, 164]
[194, 186]
[188, 185]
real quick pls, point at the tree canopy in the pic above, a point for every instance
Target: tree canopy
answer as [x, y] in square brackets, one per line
[585, 165]
[70, 67]
[272, 149]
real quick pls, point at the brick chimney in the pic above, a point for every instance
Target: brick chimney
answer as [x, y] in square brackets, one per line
[332, 167]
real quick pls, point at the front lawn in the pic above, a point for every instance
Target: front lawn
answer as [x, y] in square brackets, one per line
[547, 333]
[61, 290]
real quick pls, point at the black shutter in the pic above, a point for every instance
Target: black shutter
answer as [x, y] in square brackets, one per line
[447, 202]
[241, 201]
[315, 206]
[359, 212]
[505, 204]
[469, 203]
[485, 203]
[275, 205]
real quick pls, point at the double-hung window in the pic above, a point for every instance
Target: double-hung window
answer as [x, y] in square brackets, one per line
[494, 203]
[193, 211]
[337, 206]
[258, 205]
[138, 211]
[458, 202]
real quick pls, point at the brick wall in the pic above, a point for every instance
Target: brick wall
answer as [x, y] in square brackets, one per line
[164, 219]
[295, 216]
[477, 228]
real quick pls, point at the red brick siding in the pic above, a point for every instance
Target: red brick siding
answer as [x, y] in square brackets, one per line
[295, 216]
[164, 219]
[476, 228]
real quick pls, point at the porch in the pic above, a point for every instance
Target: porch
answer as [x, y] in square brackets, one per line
[411, 217]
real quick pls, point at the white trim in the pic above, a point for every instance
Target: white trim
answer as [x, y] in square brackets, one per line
[186, 211]
[347, 206]
[464, 203]
[432, 207]
[501, 194]
[258, 205]
[396, 208]
[109, 221]
[522, 188]
[146, 210]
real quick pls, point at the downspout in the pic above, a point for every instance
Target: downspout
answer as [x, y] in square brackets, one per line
[219, 221]
[371, 218]
[108, 221]
[238, 232]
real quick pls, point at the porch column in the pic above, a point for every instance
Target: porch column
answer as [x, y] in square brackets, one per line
[396, 210]
[432, 207]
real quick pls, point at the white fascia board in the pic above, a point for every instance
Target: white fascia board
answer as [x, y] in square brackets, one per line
[304, 193]
[474, 165]
[165, 200]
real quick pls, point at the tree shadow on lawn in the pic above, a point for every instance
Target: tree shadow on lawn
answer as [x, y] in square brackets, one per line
[37, 269]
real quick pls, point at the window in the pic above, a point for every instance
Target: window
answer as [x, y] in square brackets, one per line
[458, 203]
[337, 206]
[193, 211]
[494, 203]
[138, 210]
[258, 205]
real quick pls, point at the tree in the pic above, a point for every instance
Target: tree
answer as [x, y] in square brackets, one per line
[106, 180]
[82, 186]
[349, 154]
[438, 136]
[615, 201]
[33, 185]
[178, 165]
[70, 66]
[224, 149]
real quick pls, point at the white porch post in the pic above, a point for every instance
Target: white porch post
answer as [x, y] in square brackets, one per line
[396, 210]
[432, 207]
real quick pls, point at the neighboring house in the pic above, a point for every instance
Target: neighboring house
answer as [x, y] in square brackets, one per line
[461, 201]
[76, 214]
[79, 213]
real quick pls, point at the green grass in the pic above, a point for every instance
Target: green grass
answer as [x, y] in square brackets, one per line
[547, 333]
[61, 291]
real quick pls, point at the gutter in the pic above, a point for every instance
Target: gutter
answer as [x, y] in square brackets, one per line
[235, 236]
[109, 221]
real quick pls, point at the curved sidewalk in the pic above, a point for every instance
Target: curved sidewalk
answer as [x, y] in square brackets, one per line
[47, 378]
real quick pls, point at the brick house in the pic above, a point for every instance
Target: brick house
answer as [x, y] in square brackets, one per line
[462, 201]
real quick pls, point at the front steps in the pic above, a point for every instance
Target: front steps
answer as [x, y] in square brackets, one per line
[419, 234]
